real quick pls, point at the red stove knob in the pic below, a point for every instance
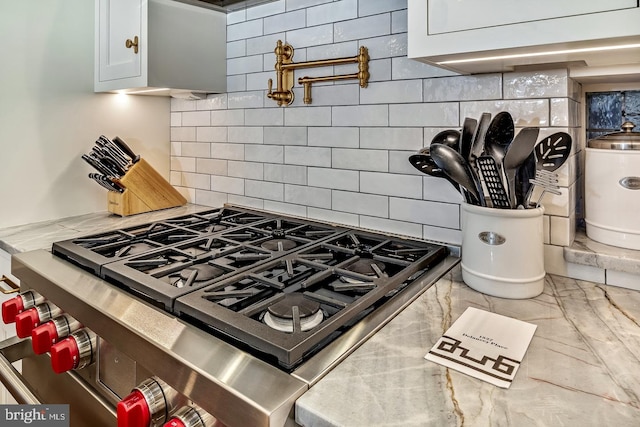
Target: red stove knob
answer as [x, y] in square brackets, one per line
[74, 352]
[148, 404]
[29, 319]
[192, 416]
[47, 334]
[12, 307]
[133, 411]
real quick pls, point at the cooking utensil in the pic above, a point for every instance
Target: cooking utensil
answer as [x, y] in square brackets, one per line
[458, 169]
[499, 135]
[493, 182]
[124, 147]
[106, 182]
[466, 138]
[425, 164]
[96, 164]
[553, 151]
[525, 172]
[518, 151]
[478, 138]
[549, 183]
[450, 137]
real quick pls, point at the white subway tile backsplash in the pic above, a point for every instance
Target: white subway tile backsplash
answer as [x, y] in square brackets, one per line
[196, 149]
[264, 45]
[183, 134]
[344, 157]
[437, 114]
[360, 115]
[333, 217]
[286, 208]
[246, 134]
[399, 22]
[264, 117]
[307, 156]
[244, 30]
[391, 226]
[386, 46]
[227, 117]
[237, 49]
[358, 159]
[213, 102]
[266, 9]
[391, 138]
[211, 166]
[333, 178]
[525, 112]
[254, 99]
[264, 190]
[332, 12]
[176, 119]
[225, 184]
[440, 234]
[245, 64]
[183, 164]
[307, 196]
[339, 94]
[196, 180]
[284, 22]
[344, 137]
[221, 150]
[367, 27]
[391, 184]
[371, 7]
[210, 198]
[425, 212]
[264, 153]
[290, 174]
[359, 203]
[393, 92]
[313, 36]
[212, 134]
[250, 170]
[307, 116]
[463, 88]
[405, 68]
[285, 135]
[537, 84]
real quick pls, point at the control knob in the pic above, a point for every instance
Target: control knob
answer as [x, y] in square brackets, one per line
[149, 404]
[23, 301]
[192, 416]
[47, 334]
[74, 352]
[29, 319]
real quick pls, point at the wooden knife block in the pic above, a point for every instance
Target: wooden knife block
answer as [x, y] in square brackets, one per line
[145, 191]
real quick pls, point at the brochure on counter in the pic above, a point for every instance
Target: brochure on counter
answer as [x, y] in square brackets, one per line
[485, 345]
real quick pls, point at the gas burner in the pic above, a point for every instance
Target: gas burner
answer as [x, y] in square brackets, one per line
[278, 245]
[368, 267]
[196, 274]
[291, 309]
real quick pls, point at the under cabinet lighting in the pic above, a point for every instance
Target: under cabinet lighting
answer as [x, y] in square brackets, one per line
[534, 54]
[144, 91]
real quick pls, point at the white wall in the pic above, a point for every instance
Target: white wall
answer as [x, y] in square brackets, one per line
[49, 115]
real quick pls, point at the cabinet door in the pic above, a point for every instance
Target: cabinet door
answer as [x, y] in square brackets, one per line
[460, 15]
[119, 20]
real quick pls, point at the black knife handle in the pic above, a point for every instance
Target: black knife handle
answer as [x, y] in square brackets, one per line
[124, 147]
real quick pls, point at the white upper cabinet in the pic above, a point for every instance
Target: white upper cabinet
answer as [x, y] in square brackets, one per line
[471, 36]
[148, 45]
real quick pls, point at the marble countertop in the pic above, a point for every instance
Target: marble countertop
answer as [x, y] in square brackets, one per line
[589, 252]
[41, 235]
[578, 371]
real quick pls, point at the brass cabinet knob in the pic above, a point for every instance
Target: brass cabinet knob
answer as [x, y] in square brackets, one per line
[132, 44]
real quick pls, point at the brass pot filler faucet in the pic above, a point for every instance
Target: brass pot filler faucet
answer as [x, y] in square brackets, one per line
[285, 66]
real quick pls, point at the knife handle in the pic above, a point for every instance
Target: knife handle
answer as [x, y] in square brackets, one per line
[124, 147]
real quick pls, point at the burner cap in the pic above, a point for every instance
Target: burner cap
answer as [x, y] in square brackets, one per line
[272, 245]
[204, 272]
[363, 266]
[279, 316]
